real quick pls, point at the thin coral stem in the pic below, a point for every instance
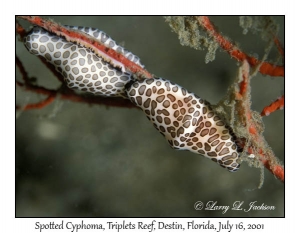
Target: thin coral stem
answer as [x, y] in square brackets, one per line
[20, 30]
[65, 94]
[277, 104]
[244, 84]
[235, 52]
[89, 42]
[22, 70]
[279, 46]
[52, 69]
[38, 105]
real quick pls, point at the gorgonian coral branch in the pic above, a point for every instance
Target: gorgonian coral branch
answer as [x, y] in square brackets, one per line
[235, 52]
[89, 42]
[276, 105]
[249, 125]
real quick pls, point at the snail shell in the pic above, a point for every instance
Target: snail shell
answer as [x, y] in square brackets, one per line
[82, 69]
[185, 120]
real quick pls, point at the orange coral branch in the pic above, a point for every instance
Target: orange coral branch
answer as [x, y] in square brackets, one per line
[39, 105]
[246, 117]
[276, 169]
[89, 42]
[235, 52]
[277, 104]
[65, 94]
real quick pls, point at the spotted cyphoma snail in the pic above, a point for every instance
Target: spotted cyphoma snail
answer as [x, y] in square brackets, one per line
[82, 69]
[185, 120]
